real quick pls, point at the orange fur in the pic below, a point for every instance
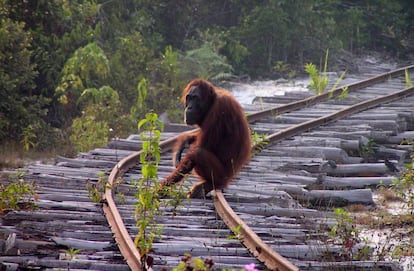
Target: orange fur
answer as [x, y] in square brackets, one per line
[220, 148]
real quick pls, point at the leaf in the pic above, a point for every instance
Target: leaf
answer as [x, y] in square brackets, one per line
[141, 123]
[145, 171]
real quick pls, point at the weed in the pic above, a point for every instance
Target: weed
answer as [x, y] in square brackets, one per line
[408, 82]
[28, 136]
[367, 150]
[404, 187]
[284, 69]
[97, 189]
[87, 131]
[71, 253]
[188, 262]
[17, 193]
[177, 194]
[346, 233]
[236, 233]
[319, 79]
[392, 232]
[344, 93]
[259, 141]
[148, 205]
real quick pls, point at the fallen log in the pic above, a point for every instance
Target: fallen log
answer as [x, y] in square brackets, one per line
[328, 182]
[328, 198]
[350, 170]
[328, 153]
[338, 198]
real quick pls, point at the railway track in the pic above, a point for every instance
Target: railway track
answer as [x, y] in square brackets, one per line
[322, 154]
[270, 258]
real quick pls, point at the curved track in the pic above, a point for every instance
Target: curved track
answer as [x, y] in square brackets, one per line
[264, 253]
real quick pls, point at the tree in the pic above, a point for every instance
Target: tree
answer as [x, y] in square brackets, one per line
[19, 106]
[265, 33]
[129, 63]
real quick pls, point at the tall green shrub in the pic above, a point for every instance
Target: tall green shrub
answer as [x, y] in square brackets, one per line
[100, 115]
[129, 64]
[87, 68]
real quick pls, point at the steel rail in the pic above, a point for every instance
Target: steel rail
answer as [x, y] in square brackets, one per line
[327, 95]
[121, 235]
[263, 252]
[307, 125]
[256, 246]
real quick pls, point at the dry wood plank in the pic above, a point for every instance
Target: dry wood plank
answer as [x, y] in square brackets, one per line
[345, 266]
[79, 163]
[33, 262]
[80, 244]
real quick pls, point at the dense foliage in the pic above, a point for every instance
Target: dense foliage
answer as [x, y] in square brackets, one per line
[83, 67]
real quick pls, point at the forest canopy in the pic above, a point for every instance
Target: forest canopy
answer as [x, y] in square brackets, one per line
[83, 71]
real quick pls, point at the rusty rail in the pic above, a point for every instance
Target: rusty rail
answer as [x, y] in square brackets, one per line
[327, 95]
[250, 239]
[256, 246]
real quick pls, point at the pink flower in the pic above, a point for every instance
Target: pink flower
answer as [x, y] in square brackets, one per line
[250, 267]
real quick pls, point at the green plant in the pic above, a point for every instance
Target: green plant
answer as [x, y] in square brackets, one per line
[367, 150]
[88, 132]
[83, 70]
[344, 93]
[404, 187]
[125, 71]
[408, 82]
[284, 69]
[206, 62]
[100, 117]
[147, 207]
[236, 233]
[139, 107]
[345, 232]
[177, 194]
[319, 79]
[71, 253]
[97, 189]
[27, 138]
[402, 249]
[392, 229]
[20, 105]
[190, 263]
[259, 141]
[17, 193]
